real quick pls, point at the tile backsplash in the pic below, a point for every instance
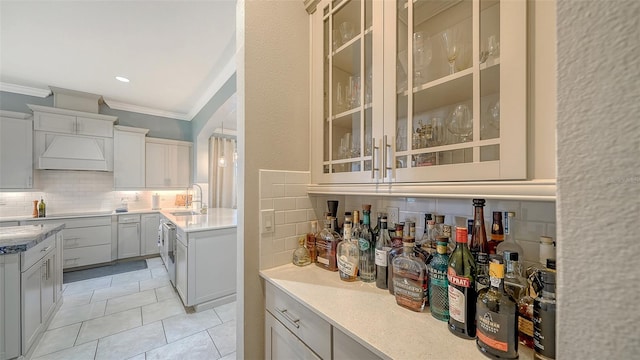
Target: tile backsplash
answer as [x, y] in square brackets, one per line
[285, 192]
[79, 191]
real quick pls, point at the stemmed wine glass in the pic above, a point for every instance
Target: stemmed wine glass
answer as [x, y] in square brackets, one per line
[460, 122]
[449, 42]
[422, 55]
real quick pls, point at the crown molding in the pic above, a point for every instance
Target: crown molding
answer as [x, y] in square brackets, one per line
[146, 110]
[227, 72]
[24, 90]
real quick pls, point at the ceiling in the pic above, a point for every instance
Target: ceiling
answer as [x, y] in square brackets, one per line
[176, 53]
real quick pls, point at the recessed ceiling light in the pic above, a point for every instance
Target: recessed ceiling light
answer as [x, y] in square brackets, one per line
[123, 79]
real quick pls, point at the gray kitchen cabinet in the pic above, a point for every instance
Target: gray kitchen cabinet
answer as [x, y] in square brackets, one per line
[128, 236]
[167, 163]
[16, 150]
[280, 343]
[58, 120]
[182, 280]
[345, 347]
[149, 236]
[129, 157]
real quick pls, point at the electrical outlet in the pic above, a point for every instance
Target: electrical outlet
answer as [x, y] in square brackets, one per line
[393, 216]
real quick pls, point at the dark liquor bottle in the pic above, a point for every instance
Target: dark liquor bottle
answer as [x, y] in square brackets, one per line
[42, 208]
[410, 278]
[497, 232]
[461, 274]
[438, 283]
[497, 319]
[544, 318]
[479, 246]
[383, 245]
[367, 247]
[396, 249]
[327, 246]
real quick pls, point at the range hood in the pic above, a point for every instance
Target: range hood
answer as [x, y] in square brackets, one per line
[69, 152]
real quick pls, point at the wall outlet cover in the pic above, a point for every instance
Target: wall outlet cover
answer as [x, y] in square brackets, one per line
[393, 216]
[267, 221]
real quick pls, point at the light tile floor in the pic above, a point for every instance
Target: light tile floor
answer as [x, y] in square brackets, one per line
[135, 315]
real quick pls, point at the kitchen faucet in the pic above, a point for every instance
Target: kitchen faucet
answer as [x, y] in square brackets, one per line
[187, 203]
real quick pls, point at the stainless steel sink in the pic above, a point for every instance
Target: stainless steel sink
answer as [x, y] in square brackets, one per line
[185, 213]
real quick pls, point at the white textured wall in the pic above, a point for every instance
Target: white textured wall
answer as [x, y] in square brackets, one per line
[273, 123]
[598, 202]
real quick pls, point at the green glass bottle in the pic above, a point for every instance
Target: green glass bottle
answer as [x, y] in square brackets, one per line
[462, 288]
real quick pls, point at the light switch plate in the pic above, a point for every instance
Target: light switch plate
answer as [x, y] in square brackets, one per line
[267, 221]
[393, 216]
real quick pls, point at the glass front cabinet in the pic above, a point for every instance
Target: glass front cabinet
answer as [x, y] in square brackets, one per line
[418, 91]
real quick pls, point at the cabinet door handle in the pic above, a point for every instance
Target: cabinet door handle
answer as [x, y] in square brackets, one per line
[48, 268]
[29, 184]
[373, 158]
[387, 155]
[45, 249]
[294, 321]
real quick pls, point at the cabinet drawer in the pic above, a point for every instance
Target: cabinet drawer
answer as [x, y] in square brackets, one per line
[87, 255]
[88, 236]
[54, 122]
[305, 324]
[37, 252]
[70, 223]
[94, 127]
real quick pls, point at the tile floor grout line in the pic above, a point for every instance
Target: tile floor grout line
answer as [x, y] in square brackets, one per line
[214, 344]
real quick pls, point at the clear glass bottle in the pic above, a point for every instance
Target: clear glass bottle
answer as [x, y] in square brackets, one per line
[301, 255]
[431, 236]
[311, 241]
[367, 247]
[479, 246]
[326, 247]
[383, 246]
[347, 217]
[461, 274]
[357, 225]
[544, 318]
[497, 232]
[497, 317]
[347, 256]
[509, 242]
[409, 278]
[438, 283]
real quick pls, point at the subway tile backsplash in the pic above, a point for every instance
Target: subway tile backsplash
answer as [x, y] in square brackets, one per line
[79, 191]
[282, 191]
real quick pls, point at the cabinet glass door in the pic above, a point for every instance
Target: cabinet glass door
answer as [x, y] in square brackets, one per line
[448, 92]
[348, 76]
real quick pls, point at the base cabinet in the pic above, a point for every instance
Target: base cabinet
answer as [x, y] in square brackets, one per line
[149, 236]
[129, 238]
[280, 343]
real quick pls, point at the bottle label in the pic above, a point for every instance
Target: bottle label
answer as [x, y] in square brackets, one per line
[457, 306]
[346, 267]
[381, 257]
[408, 294]
[324, 261]
[490, 330]
[482, 258]
[363, 244]
[454, 279]
[525, 326]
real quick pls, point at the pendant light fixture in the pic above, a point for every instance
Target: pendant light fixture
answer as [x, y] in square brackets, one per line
[222, 162]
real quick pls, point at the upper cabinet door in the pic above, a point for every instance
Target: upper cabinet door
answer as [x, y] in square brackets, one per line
[16, 150]
[347, 92]
[54, 122]
[459, 100]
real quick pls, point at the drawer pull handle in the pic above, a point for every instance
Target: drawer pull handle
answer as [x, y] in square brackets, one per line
[294, 321]
[45, 249]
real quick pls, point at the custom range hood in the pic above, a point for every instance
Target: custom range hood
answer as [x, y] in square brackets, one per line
[72, 135]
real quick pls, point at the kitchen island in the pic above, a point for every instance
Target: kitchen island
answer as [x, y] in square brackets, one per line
[362, 316]
[30, 284]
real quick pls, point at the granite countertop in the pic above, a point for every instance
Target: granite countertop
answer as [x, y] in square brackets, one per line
[214, 219]
[16, 239]
[372, 317]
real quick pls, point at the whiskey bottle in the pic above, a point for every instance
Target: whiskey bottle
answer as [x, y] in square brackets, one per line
[438, 283]
[479, 246]
[509, 242]
[518, 288]
[497, 318]
[497, 232]
[396, 249]
[461, 273]
[544, 318]
[326, 246]
[311, 241]
[348, 255]
[367, 247]
[383, 245]
[301, 255]
[409, 278]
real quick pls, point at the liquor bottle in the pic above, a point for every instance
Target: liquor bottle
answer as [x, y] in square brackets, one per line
[547, 249]
[509, 242]
[367, 247]
[409, 278]
[396, 249]
[497, 317]
[383, 245]
[311, 241]
[332, 206]
[544, 318]
[326, 246]
[438, 283]
[347, 217]
[356, 225]
[348, 255]
[518, 288]
[429, 235]
[376, 230]
[301, 255]
[479, 246]
[461, 273]
[42, 208]
[497, 232]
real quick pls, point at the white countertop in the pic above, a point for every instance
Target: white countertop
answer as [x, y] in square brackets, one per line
[214, 219]
[372, 317]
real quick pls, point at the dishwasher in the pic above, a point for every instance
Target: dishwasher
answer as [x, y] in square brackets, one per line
[168, 250]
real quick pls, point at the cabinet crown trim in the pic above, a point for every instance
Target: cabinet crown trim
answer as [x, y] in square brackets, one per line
[131, 129]
[52, 110]
[168, 141]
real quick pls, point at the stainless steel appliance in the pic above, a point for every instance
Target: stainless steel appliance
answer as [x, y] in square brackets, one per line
[168, 250]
